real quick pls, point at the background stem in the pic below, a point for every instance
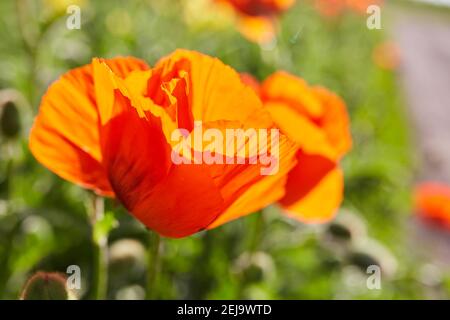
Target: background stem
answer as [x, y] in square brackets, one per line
[153, 261]
[100, 253]
[257, 232]
[256, 237]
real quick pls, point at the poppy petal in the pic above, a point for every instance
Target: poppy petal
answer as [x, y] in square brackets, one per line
[335, 121]
[313, 179]
[259, 29]
[432, 202]
[163, 196]
[282, 87]
[264, 192]
[68, 120]
[217, 92]
[306, 134]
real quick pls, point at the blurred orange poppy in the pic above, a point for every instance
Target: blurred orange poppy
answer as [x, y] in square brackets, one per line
[107, 126]
[386, 55]
[432, 202]
[333, 8]
[317, 121]
[257, 18]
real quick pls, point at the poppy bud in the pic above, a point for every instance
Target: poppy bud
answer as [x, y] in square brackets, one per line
[347, 227]
[255, 267]
[370, 252]
[45, 286]
[339, 231]
[362, 260]
[127, 254]
[9, 120]
[253, 273]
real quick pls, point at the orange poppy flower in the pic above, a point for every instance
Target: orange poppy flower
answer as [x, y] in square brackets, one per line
[432, 202]
[317, 121]
[257, 18]
[107, 126]
[333, 8]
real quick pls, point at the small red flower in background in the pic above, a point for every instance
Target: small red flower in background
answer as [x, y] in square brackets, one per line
[432, 203]
[257, 18]
[386, 55]
[333, 8]
[317, 120]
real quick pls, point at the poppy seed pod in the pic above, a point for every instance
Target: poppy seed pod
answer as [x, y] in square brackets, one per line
[9, 120]
[45, 286]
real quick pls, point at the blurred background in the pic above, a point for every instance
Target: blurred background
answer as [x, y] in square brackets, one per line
[395, 82]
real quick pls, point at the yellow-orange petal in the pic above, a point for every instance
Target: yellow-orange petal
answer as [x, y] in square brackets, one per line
[314, 190]
[314, 117]
[68, 121]
[335, 121]
[252, 82]
[217, 92]
[259, 29]
[299, 128]
[284, 4]
[67, 160]
[265, 191]
[282, 87]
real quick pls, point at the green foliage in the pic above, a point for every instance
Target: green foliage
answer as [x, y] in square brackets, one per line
[43, 220]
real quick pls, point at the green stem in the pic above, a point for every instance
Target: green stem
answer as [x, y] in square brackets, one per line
[153, 264]
[29, 41]
[256, 227]
[257, 230]
[100, 256]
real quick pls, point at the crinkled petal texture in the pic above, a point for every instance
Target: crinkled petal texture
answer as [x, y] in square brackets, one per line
[129, 148]
[432, 202]
[317, 121]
